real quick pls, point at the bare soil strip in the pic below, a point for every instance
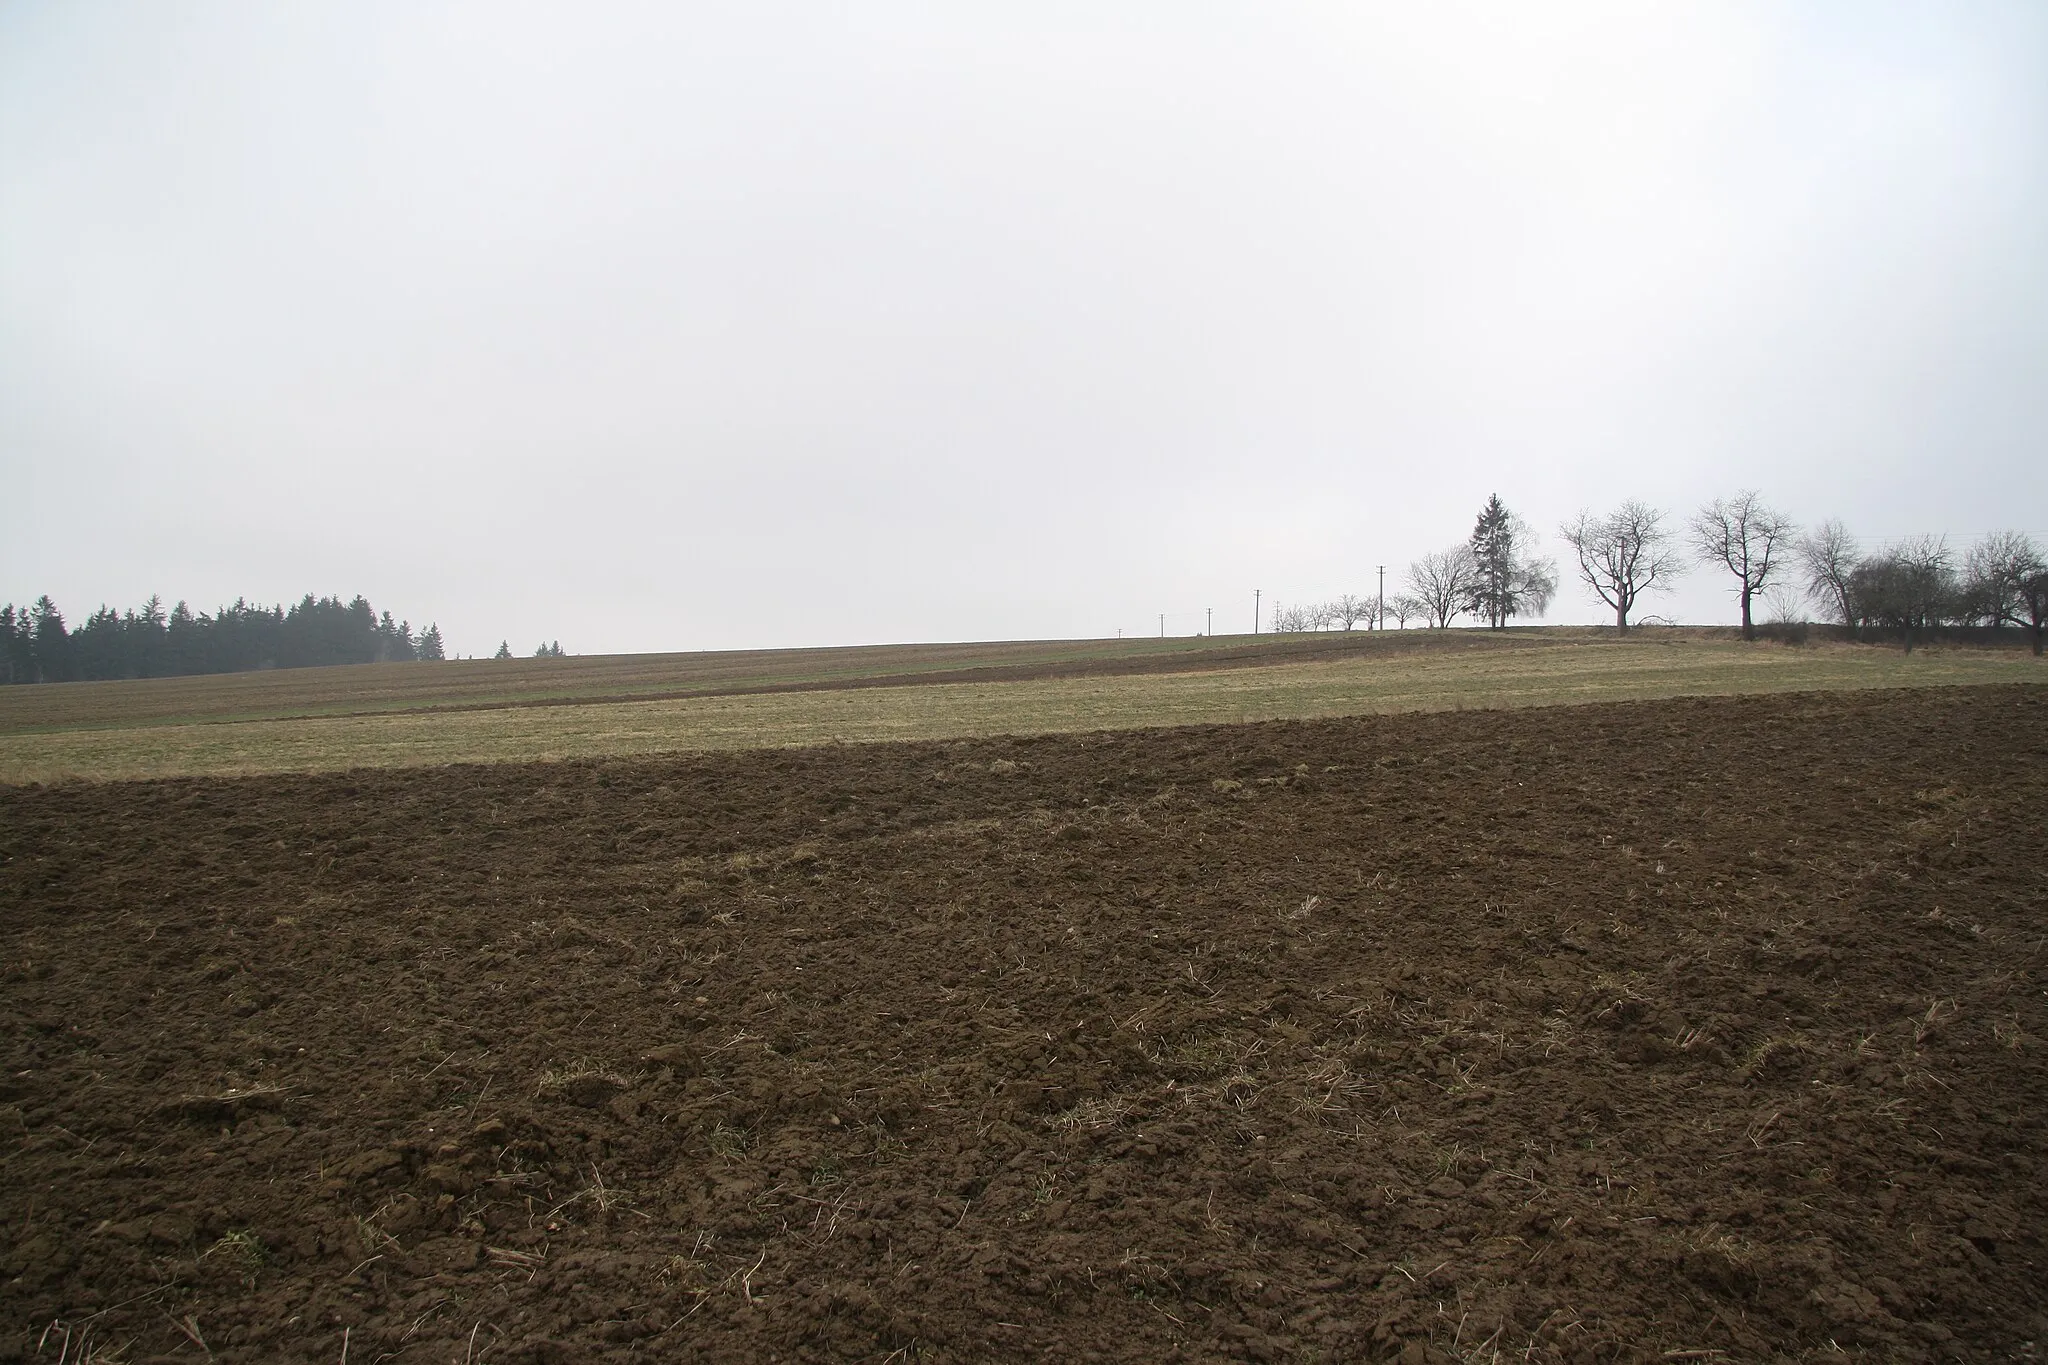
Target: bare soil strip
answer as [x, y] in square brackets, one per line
[1693, 1030]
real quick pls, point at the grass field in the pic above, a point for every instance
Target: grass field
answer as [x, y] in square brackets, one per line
[404, 715]
[482, 683]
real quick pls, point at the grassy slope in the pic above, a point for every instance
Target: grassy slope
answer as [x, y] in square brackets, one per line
[466, 684]
[134, 730]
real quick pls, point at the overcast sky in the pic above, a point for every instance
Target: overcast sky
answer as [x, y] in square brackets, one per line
[689, 326]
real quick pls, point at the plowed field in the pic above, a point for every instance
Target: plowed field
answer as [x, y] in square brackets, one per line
[1684, 1030]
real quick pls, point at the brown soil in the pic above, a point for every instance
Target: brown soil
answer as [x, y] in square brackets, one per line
[1690, 1031]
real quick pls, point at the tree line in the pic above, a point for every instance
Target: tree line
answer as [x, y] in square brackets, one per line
[1905, 589]
[37, 646]
[1494, 576]
[1622, 557]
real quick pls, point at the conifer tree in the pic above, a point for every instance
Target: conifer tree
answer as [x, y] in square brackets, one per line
[17, 646]
[1507, 582]
[52, 644]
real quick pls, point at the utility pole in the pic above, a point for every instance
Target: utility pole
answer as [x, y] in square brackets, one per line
[1162, 625]
[1211, 630]
[1255, 611]
[1379, 617]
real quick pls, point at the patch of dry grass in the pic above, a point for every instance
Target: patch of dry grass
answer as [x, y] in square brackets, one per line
[1537, 672]
[471, 684]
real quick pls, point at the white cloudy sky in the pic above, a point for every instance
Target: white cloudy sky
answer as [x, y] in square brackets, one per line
[688, 326]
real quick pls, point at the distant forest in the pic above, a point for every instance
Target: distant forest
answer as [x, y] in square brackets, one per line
[36, 646]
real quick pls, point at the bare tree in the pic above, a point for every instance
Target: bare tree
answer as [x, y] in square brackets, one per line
[2007, 582]
[1908, 588]
[1828, 557]
[2034, 594]
[1296, 620]
[1784, 605]
[1348, 610]
[1441, 581]
[1401, 606]
[1624, 555]
[1748, 539]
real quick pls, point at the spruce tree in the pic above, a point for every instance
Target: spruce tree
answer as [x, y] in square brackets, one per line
[17, 647]
[1507, 583]
[52, 644]
[1493, 550]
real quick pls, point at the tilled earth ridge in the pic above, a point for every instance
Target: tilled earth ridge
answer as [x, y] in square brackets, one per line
[1704, 1030]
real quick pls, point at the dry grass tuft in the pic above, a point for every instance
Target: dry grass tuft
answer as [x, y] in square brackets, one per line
[597, 1194]
[1205, 1055]
[586, 1082]
[1104, 1112]
[727, 1143]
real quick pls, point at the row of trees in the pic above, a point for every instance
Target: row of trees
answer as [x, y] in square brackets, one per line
[37, 646]
[1627, 554]
[2002, 580]
[1493, 576]
[1908, 588]
[1346, 613]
